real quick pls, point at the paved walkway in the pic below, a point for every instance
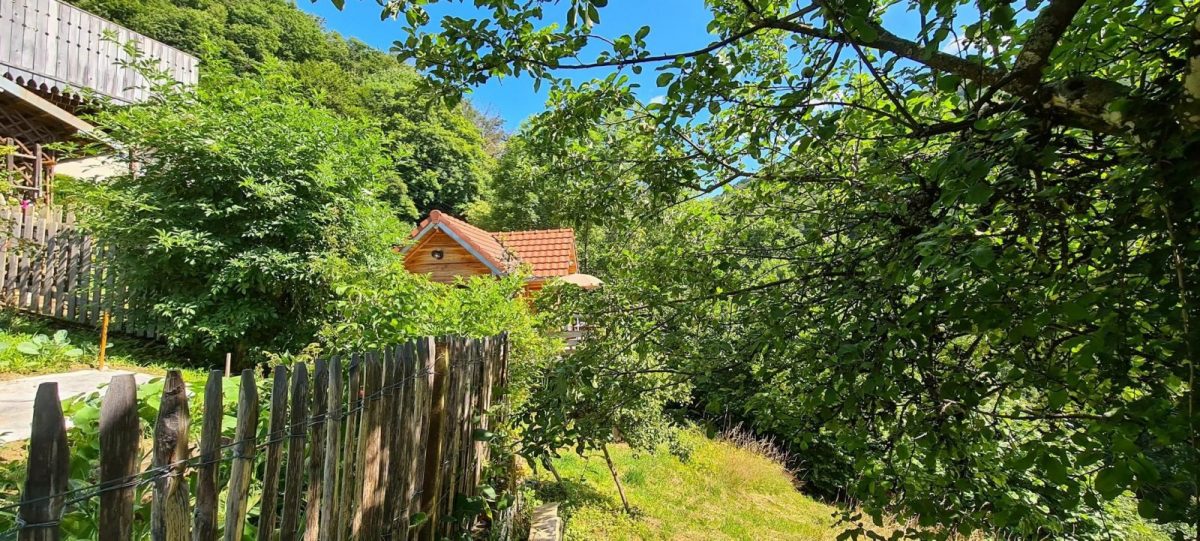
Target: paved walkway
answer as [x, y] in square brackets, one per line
[16, 396]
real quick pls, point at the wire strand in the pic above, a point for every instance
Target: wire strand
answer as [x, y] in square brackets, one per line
[181, 467]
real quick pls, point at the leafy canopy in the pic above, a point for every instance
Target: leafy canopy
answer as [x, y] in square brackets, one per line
[954, 265]
[240, 192]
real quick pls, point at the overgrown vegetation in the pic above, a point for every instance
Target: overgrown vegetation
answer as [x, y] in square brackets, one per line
[441, 157]
[946, 251]
[241, 193]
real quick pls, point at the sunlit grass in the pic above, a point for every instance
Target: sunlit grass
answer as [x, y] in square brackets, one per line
[123, 353]
[721, 492]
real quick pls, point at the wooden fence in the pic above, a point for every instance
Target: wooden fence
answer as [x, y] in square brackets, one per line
[50, 268]
[375, 446]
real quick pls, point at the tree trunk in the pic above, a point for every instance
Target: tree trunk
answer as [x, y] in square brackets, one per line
[612, 468]
[553, 471]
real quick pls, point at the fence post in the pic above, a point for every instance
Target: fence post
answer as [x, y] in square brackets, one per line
[120, 434]
[170, 520]
[49, 460]
[367, 516]
[275, 437]
[294, 481]
[243, 459]
[431, 491]
[206, 479]
[103, 341]
[345, 511]
[397, 514]
[388, 417]
[316, 459]
[329, 491]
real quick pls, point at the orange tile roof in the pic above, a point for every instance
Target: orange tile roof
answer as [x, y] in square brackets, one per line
[550, 252]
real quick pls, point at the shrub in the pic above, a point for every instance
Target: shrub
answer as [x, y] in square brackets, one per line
[241, 191]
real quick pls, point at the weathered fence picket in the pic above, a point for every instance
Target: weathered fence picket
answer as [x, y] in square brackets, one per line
[333, 451]
[359, 460]
[316, 459]
[49, 267]
[169, 516]
[294, 479]
[46, 480]
[120, 436]
[275, 436]
[244, 447]
[205, 527]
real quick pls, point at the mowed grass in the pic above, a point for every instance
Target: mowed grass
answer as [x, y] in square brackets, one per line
[721, 492]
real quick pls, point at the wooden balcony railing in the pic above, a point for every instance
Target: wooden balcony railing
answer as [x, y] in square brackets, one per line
[57, 49]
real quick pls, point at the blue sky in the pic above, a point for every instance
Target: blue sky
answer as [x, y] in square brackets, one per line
[676, 25]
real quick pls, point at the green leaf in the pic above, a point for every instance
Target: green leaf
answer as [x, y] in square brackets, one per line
[982, 254]
[862, 28]
[1111, 481]
[948, 83]
[979, 193]
[29, 348]
[483, 435]
[593, 15]
[664, 79]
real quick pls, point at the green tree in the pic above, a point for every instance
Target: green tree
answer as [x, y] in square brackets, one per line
[442, 159]
[241, 192]
[958, 260]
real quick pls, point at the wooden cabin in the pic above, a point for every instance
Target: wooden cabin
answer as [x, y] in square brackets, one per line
[447, 248]
[54, 60]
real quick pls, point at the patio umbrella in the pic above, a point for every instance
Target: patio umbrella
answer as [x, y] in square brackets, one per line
[586, 281]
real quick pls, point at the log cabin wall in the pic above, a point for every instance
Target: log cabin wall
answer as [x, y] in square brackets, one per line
[456, 261]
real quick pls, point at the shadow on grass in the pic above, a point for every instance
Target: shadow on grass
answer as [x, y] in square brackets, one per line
[123, 349]
[574, 494]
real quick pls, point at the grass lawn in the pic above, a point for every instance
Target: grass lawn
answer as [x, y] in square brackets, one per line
[721, 492]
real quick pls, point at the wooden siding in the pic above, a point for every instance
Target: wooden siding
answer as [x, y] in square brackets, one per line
[456, 260]
[55, 48]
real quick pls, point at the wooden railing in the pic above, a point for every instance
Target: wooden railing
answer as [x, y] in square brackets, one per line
[378, 446]
[56, 48]
[27, 170]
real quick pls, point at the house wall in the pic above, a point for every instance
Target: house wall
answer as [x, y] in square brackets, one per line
[456, 261]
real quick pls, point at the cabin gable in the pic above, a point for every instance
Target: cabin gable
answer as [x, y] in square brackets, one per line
[456, 259]
[444, 248]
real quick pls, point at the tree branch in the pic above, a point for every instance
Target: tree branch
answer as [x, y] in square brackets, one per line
[1049, 27]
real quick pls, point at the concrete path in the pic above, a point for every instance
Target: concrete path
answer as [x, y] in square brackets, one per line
[16, 396]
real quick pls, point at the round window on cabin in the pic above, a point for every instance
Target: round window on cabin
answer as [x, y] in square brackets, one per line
[437, 254]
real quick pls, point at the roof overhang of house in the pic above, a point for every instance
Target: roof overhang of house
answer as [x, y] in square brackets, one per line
[42, 107]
